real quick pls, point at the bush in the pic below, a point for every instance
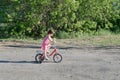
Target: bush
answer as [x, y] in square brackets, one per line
[62, 34]
[65, 35]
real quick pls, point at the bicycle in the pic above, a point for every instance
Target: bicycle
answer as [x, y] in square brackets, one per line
[57, 58]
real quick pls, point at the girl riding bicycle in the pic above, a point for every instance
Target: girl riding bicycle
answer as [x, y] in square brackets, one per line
[46, 44]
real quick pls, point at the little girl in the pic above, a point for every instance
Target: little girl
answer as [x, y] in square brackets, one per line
[46, 44]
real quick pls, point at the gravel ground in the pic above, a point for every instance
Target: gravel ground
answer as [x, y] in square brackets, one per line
[79, 63]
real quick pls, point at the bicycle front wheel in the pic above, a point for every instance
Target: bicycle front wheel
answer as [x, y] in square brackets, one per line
[57, 58]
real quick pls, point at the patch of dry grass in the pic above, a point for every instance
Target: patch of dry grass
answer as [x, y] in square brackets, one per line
[108, 40]
[104, 40]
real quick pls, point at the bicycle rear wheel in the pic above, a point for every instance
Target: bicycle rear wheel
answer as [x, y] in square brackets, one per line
[39, 58]
[57, 58]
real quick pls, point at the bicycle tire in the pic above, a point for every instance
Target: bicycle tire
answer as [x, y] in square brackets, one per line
[39, 58]
[57, 58]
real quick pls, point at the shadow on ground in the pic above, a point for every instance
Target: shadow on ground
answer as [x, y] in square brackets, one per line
[68, 47]
[6, 61]
[24, 62]
[38, 47]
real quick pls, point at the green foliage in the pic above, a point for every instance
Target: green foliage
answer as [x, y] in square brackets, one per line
[65, 35]
[62, 34]
[32, 18]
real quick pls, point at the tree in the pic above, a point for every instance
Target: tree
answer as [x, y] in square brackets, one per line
[32, 18]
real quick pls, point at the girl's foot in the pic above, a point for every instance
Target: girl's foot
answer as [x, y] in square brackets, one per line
[46, 58]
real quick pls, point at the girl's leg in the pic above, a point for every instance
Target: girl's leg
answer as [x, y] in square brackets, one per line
[45, 52]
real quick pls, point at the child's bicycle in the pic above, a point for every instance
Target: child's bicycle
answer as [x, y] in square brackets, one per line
[57, 58]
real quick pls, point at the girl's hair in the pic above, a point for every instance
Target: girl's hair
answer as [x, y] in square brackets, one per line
[50, 31]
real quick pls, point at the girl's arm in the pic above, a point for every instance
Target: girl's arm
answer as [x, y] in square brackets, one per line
[49, 37]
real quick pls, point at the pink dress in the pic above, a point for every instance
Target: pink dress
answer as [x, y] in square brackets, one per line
[46, 44]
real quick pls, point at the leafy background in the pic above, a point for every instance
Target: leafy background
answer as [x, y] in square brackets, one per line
[69, 18]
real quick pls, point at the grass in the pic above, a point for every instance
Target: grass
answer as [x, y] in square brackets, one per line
[106, 40]
[27, 40]
[103, 38]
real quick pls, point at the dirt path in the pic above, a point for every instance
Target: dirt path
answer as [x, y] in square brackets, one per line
[79, 63]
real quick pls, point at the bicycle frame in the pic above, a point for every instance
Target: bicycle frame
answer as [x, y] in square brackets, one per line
[53, 52]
